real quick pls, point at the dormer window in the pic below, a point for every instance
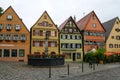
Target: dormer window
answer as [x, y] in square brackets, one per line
[1, 26]
[9, 17]
[15, 37]
[9, 27]
[17, 28]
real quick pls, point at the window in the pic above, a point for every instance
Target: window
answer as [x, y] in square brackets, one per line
[9, 17]
[68, 36]
[1, 26]
[93, 17]
[1, 36]
[45, 23]
[8, 37]
[44, 32]
[6, 52]
[15, 37]
[14, 53]
[45, 17]
[70, 30]
[37, 44]
[9, 27]
[65, 29]
[52, 44]
[0, 52]
[21, 53]
[17, 28]
[117, 37]
[73, 46]
[23, 37]
[63, 46]
[52, 33]
[116, 45]
[70, 23]
[67, 55]
[78, 46]
[94, 25]
[37, 32]
[78, 55]
[110, 45]
[78, 37]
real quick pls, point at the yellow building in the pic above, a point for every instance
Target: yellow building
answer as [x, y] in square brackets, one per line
[38, 31]
[112, 35]
[14, 37]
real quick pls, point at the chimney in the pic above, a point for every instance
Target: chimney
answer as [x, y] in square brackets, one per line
[74, 18]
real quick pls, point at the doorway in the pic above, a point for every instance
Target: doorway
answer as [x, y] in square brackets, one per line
[74, 57]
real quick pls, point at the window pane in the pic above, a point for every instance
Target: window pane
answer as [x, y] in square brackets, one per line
[0, 52]
[6, 52]
[21, 53]
[14, 53]
[78, 55]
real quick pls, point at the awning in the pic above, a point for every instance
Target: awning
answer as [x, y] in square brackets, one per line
[108, 53]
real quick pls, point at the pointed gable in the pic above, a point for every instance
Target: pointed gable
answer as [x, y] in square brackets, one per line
[90, 23]
[108, 26]
[67, 25]
[45, 21]
[11, 16]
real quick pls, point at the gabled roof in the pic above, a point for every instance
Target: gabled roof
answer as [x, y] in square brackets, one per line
[66, 21]
[10, 7]
[45, 12]
[82, 23]
[108, 26]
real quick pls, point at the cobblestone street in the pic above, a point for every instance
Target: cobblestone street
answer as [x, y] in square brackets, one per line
[21, 71]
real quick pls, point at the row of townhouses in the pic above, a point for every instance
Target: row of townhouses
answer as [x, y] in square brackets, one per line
[72, 38]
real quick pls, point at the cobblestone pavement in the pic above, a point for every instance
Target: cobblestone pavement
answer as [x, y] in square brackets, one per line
[21, 71]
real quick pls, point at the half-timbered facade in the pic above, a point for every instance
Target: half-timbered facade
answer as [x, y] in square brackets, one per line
[44, 26]
[70, 41]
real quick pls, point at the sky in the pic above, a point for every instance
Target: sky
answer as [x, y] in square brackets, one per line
[59, 10]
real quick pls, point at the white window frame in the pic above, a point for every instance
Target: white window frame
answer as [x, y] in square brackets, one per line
[18, 27]
[9, 17]
[1, 26]
[37, 43]
[52, 33]
[52, 44]
[9, 26]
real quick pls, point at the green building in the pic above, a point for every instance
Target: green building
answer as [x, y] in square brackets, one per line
[70, 41]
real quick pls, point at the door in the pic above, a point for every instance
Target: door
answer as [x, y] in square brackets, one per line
[74, 57]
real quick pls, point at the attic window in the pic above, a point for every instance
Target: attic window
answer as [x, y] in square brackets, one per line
[94, 25]
[117, 22]
[93, 17]
[45, 17]
[9, 17]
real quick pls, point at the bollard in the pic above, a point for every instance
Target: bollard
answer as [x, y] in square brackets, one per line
[50, 71]
[68, 69]
[82, 67]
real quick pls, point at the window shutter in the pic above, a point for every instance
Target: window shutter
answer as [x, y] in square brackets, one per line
[49, 33]
[41, 43]
[49, 43]
[55, 33]
[41, 33]
[33, 43]
[55, 43]
[33, 32]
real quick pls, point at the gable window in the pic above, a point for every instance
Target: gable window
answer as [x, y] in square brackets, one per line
[9, 17]
[70, 23]
[8, 37]
[117, 37]
[17, 27]
[110, 45]
[45, 17]
[65, 29]
[1, 26]
[15, 37]
[9, 27]
[45, 23]
[70, 30]
[1, 36]
[94, 25]
[23, 37]
[93, 17]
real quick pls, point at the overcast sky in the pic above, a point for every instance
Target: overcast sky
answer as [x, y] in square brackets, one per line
[59, 10]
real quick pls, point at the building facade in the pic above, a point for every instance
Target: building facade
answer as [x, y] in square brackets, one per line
[112, 35]
[70, 41]
[93, 31]
[14, 37]
[44, 26]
